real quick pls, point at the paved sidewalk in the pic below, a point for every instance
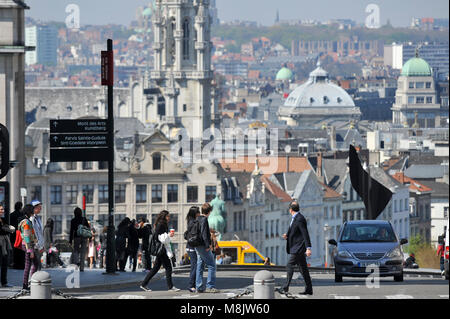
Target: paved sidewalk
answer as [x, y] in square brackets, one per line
[65, 279]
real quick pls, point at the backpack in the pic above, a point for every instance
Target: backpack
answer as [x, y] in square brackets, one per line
[156, 247]
[84, 232]
[192, 234]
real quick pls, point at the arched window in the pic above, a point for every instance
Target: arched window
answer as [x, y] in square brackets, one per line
[186, 33]
[156, 158]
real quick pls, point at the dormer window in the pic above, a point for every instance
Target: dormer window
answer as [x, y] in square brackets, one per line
[69, 108]
[325, 99]
[311, 100]
[156, 158]
[339, 100]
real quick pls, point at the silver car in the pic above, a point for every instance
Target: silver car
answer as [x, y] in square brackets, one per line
[365, 246]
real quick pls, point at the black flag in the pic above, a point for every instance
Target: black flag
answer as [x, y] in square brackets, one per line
[374, 195]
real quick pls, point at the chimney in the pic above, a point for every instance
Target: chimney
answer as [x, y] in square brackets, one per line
[319, 164]
[333, 138]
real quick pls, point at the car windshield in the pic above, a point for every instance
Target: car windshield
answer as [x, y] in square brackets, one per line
[368, 233]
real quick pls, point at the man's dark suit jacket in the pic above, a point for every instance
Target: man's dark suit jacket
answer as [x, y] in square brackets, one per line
[298, 236]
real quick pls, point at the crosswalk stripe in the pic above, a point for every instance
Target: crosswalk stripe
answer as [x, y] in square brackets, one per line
[185, 296]
[399, 297]
[347, 297]
[131, 297]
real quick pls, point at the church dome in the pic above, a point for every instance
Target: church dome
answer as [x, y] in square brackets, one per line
[284, 74]
[416, 67]
[319, 91]
[147, 12]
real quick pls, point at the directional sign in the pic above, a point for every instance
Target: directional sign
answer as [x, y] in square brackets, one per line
[78, 126]
[78, 140]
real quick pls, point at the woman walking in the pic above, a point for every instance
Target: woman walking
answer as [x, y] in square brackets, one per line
[5, 246]
[161, 231]
[78, 242]
[48, 239]
[192, 215]
[29, 241]
[122, 236]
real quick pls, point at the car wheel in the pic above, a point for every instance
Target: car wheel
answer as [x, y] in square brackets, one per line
[398, 277]
[337, 278]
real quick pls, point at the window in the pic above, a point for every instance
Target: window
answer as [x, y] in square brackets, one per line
[411, 85]
[184, 107]
[87, 165]
[277, 228]
[173, 221]
[251, 224]
[332, 212]
[156, 158]
[325, 212]
[57, 229]
[267, 229]
[102, 194]
[186, 39]
[172, 193]
[420, 85]
[36, 192]
[420, 100]
[88, 191]
[119, 193]
[410, 99]
[103, 165]
[192, 194]
[55, 194]
[71, 166]
[157, 193]
[141, 193]
[71, 194]
[210, 193]
[272, 232]
[103, 219]
[429, 99]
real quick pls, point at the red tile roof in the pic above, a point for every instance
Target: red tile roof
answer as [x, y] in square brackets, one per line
[413, 184]
[268, 164]
[275, 190]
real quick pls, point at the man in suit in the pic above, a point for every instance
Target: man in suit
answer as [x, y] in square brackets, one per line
[298, 246]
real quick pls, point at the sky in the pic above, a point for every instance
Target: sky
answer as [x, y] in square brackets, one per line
[399, 12]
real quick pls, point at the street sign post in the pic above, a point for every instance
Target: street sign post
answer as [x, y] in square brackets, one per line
[108, 79]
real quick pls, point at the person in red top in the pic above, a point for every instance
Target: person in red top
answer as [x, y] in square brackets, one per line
[441, 251]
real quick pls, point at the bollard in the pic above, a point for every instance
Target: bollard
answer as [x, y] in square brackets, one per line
[41, 285]
[264, 285]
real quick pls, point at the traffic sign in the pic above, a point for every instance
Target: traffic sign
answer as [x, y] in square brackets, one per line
[78, 126]
[107, 68]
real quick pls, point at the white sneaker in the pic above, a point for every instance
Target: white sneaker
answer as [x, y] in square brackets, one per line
[145, 288]
[174, 289]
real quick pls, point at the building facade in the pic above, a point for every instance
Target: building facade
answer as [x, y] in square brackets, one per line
[12, 88]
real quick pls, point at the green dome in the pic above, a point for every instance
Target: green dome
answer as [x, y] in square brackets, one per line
[416, 67]
[284, 74]
[147, 12]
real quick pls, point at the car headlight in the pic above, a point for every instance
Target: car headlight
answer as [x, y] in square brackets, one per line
[344, 254]
[394, 253]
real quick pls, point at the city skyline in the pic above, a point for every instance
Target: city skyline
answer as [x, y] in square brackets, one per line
[396, 12]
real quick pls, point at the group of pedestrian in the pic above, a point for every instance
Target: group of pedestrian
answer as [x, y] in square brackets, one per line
[127, 242]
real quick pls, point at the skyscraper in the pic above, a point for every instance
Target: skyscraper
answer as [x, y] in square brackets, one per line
[45, 39]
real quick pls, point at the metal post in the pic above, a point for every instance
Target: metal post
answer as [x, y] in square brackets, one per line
[41, 285]
[264, 285]
[110, 247]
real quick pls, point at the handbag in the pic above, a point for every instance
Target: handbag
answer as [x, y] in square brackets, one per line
[156, 247]
[84, 232]
[18, 242]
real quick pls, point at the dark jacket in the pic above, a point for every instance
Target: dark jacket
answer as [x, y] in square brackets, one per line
[123, 232]
[103, 239]
[74, 223]
[3, 223]
[14, 219]
[48, 237]
[298, 236]
[133, 241]
[189, 225]
[205, 233]
[144, 233]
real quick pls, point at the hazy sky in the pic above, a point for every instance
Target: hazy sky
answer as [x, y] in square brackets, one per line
[399, 12]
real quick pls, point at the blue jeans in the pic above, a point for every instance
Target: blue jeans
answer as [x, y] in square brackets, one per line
[193, 273]
[205, 257]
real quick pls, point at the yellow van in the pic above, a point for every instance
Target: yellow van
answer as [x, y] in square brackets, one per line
[241, 253]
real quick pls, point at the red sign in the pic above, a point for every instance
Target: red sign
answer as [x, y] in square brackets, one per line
[107, 68]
